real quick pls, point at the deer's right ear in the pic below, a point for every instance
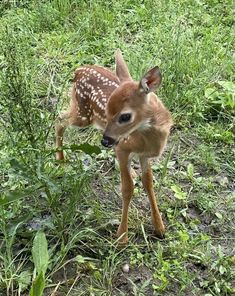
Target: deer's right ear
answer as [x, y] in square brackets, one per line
[151, 80]
[122, 71]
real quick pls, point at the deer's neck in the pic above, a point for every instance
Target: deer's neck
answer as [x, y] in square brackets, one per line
[154, 131]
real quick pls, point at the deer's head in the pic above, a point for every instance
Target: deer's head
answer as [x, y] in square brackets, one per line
[128, 107]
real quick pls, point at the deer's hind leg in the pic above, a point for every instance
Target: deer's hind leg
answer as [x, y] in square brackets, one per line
[72, 117]
[61, 124]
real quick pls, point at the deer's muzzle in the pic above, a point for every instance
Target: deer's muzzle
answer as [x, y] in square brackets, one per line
[108, 142]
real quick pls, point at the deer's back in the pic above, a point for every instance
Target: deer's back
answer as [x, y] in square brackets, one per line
[93, 86]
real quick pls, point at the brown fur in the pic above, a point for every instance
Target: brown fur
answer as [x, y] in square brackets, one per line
[144, 135]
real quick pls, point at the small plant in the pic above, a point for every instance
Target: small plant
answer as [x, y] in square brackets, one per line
[178, 192]
[41, 261]
[221, 95]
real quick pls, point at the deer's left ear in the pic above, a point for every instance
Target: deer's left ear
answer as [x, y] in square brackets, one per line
[122, 71]
[151, 80]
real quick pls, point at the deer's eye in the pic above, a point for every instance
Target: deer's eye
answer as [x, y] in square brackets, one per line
[125, 117]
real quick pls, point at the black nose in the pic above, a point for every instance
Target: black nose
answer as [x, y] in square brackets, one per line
[108, 142]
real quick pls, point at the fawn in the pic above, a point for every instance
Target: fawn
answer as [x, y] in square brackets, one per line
[133, 119]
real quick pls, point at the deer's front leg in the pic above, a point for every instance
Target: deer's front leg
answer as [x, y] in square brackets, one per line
[127, 193]
[61, 124]
[147, 179]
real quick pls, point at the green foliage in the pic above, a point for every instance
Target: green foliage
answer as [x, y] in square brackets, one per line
[87, 148]
[41, 261]
[40, 253]
[223, 97]
[178, 193]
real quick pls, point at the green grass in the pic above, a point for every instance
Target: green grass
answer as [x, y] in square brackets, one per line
[77, 206]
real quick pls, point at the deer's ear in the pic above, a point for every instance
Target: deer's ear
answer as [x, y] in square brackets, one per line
[151, 80]
[122, 71]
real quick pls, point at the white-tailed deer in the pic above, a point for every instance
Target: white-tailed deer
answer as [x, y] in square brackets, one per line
[134, 121]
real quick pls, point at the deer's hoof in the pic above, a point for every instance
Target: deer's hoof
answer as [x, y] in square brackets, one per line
[160, 233]
[60, 156]
[122, 238]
